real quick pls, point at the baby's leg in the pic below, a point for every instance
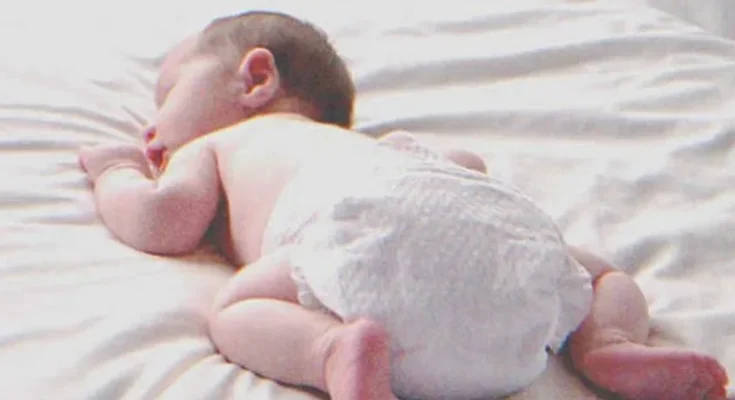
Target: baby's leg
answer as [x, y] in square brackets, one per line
[257, 324]
[608, 347]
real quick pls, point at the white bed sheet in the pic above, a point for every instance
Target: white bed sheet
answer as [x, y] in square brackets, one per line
[715, 16]
[615, 117]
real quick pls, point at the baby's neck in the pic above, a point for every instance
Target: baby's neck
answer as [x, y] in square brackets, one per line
[288, 107]
[286, 115]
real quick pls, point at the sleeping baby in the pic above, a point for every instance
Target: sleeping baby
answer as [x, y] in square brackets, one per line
[372, 268]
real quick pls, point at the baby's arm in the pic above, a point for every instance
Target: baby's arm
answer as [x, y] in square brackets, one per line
[460, 157]
[169, 215]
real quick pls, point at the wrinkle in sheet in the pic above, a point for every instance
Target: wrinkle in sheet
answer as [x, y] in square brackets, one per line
[553, 92]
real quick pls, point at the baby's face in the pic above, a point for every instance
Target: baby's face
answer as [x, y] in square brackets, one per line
[193, 98]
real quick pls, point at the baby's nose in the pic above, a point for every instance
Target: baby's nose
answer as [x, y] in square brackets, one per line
[149, 133]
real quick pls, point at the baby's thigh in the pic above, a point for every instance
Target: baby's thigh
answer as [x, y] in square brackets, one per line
[269, 277]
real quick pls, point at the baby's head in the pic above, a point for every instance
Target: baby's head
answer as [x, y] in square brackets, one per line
[246, 65]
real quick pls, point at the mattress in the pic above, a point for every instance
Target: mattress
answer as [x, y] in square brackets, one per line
[615, 116]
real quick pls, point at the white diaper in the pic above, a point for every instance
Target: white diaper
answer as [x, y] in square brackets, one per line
[471, 279]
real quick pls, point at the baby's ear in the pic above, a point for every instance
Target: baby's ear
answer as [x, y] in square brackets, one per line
[259, 77]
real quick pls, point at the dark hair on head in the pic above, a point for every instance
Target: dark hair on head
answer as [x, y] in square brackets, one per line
[310, 68]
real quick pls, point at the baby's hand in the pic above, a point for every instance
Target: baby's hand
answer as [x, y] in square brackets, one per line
[399, 139]
[96, 160]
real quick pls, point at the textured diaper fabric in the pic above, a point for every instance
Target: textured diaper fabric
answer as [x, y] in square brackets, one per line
[472, 280]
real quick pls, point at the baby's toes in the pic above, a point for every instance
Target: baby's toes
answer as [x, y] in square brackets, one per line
[716, 393]
[715, 371]
[701, 389]
[713, 377]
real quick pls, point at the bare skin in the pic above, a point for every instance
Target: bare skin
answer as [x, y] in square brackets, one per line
[608, 348]
[216, 154]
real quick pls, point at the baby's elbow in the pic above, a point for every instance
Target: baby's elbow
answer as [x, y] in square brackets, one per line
[161, 233]
[172, 239]
[178, 223]
[158, 241]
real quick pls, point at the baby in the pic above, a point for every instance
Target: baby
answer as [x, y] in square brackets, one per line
[253, 150]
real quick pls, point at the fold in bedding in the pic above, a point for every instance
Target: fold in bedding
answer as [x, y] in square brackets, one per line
[615, 117]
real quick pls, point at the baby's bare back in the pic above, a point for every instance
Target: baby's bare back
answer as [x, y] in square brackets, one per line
[257, 159]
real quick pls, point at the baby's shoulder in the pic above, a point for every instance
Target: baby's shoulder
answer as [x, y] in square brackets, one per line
[290, 141]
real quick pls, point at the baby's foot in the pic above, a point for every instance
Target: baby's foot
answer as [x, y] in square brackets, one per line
[358, 365]
[639, 372]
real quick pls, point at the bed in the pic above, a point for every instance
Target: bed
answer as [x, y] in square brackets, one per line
[615, 116]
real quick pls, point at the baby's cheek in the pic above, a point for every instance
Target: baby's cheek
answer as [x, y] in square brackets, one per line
[175, 127]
